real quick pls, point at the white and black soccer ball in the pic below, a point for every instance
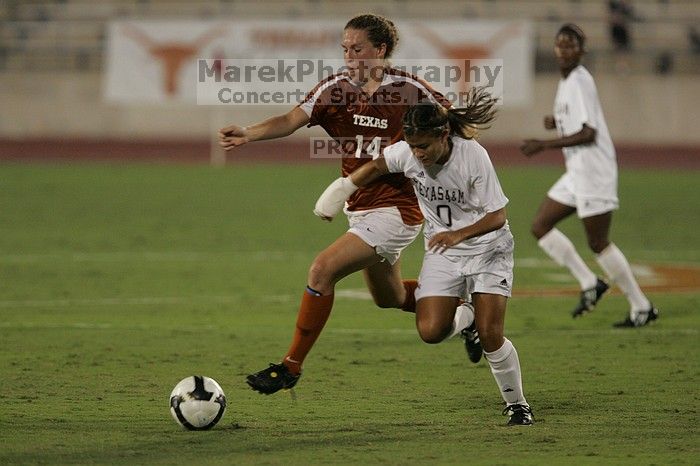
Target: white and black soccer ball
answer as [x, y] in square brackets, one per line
[197, 402]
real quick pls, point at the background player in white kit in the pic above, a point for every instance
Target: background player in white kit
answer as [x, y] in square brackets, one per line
[469, 247]
[589, 186]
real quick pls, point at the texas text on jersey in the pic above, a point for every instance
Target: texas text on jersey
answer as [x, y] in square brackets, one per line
[364, 124]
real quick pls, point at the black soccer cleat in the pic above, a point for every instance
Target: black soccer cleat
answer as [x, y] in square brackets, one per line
[642, 319]
[520, 415]
[273, 379]
[472, 343]
[589, 298]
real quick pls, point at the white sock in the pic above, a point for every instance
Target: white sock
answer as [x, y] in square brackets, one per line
[464, 316]
[615, 265]
[505, 367]
[562, 251]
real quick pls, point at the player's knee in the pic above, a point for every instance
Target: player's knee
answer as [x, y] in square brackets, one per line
[597, 245]
[386, 302]
[320, 275]
[431, 339]
[491, 338]
[538, 230]
[431, 332]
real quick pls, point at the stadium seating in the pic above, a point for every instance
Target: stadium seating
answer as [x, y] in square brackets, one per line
[68, 35]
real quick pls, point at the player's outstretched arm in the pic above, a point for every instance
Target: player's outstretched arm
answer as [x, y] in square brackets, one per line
[333, 198]
[276, 127]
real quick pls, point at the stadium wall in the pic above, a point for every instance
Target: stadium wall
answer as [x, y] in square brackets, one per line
[641, 109]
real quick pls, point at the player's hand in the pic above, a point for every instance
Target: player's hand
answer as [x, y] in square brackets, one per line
[444, 240]
[532, 146]
[232, 136]
[549, 122]
[331, 202]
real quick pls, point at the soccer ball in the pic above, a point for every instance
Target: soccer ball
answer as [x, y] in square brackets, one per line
[197, 402]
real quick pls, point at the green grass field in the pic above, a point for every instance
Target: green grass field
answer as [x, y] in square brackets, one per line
[116, 281]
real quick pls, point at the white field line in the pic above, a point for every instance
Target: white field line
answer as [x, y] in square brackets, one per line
[91, 326]
[114, 301]
[645, 272]
[258, 256]
[142, 301]
[330, 329]
[665, 331]
[151, 256]
[359, 293]
[185, 256]
[356, 293]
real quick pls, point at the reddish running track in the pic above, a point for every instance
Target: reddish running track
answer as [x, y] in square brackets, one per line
[297, 151]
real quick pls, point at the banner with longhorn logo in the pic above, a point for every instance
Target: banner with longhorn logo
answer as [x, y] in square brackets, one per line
[243, 61]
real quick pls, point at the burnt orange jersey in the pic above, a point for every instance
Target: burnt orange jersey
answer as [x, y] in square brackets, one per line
[363, 125]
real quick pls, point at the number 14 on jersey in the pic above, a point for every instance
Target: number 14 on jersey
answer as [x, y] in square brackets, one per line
[373, 148]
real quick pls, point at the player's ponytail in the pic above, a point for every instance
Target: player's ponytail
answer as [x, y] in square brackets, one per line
[465, 122]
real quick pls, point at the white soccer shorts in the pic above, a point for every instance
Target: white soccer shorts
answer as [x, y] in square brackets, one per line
[586, 206]
[384, 230]
[490, 272]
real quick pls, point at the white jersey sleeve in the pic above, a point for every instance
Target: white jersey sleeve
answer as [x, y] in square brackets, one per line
[396, 155]
[487, 188]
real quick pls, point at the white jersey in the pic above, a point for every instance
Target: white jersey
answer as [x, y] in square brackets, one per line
[593, 166]
[454, 195]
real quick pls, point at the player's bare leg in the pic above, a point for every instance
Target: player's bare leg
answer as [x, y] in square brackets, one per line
[548, 215]
[439, 318]
[435, 318]
[346, 255]
[387, 288]
[597, 230]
